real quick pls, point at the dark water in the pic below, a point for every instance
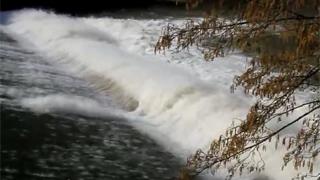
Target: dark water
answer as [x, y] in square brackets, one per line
[67, 145]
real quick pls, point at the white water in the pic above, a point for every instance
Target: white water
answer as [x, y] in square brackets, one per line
[68, 104]
[183, 103]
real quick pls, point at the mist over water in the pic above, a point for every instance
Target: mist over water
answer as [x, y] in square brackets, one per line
[109, 71]
[171, 98]
[57, 126]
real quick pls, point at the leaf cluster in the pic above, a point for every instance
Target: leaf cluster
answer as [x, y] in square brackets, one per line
[273, 75]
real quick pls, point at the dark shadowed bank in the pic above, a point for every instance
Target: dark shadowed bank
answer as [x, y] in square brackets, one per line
[76, 7]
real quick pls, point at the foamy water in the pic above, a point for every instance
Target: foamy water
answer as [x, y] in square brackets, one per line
[177, 99]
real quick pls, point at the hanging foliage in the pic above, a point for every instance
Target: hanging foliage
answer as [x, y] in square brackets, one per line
[273, 75]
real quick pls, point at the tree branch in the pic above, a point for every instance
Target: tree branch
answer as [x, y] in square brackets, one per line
[259, 142]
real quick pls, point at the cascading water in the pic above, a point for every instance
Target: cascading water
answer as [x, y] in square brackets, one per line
[183, 104]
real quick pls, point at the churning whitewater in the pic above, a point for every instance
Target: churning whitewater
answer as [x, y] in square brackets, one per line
[176, 99]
